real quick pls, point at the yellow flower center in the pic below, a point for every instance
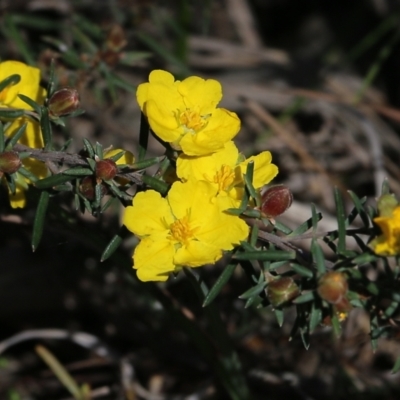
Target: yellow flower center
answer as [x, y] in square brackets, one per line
[181, 230]
[192, 120]
[224, 178]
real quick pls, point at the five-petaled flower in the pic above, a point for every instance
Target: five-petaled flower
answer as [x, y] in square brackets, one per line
[29, 85]
[185, 114]
[388, 244]
[187, 228]
[224, 169]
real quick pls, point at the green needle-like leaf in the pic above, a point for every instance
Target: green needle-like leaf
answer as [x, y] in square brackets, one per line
[51, 181]
[270, 255]
[46, 129]
[17, 135]
[318, 257]
[219, 284]
[155, 184]
[31, 103]
[340, 215]
[40, 216]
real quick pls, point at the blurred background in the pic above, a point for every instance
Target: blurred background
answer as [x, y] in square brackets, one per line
[317, 83]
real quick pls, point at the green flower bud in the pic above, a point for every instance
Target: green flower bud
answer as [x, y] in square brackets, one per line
[9, 162]
[282, 290]
[386, 204]
[63, 102]
[333, 287]
[276, 200]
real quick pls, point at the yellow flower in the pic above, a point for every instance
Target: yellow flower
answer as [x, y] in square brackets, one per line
[224, 170]
[388, 244]
[29, 85]
[126, 158]
[187, 228]
[184, 113]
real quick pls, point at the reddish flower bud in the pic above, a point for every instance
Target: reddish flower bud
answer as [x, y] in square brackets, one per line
[276, 200]
[63, 102]
[116, 39]
[88, 186]
[333, 287]
[106, 169]
[9, 162]
[282, 290]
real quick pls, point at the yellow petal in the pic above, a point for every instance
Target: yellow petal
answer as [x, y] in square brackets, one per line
[205, 167]
[127, 157]
[197, 254]
[222, 127]
[201, 94]
[29, 85]
[264, 170]
[153, 259]
[150, 214]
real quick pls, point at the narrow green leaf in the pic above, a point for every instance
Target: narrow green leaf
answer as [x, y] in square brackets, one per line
[46, 129]
[318, 257]
[219, 284]
[78, 171]
[315, 316]
[88, 147]
[117, 156]
[254, 301]
[252, 214]
[396, 366]
[365, 258]
[98, 150]
[277, 264]
[40, 216]
[65, 146]
[10, 81]
[305, 226]
[12, 114]
[282, 228]
[17, 135]
[340, 215]
[253, 291]
[394, 305]
[304, 298]
[248, 179]
[92, 164]
[111, 247]
[302, 270]
[314, 217]
[279, 315]
[359, 205]
[146, 163]
[28, 174]
[84, 40]
[305, 338]
[31, 103]
[270, 255]
[53, 180]
[337, 328]
[254, 235]
[10, 179]
[156, 184]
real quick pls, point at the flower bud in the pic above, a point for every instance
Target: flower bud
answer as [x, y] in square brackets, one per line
[63, 102]
[9, 162]
[276, 200]
[88, 186]
[116, 39]
[282, 290]
[333, 287]
[106, 169]
[386, 204]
